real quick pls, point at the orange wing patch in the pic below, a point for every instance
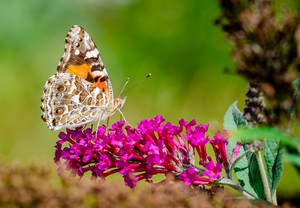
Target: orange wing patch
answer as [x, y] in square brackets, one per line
[84, 71]
[80, 71]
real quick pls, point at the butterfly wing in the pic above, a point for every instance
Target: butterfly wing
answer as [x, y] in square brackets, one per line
[80, 92]
[69, 101]
[82, 59]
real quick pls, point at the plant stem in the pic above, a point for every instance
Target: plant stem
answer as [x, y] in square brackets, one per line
[263, 176]
[274, 198]
[234, 185]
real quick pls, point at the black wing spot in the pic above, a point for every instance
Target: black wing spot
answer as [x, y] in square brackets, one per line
[89, 78]
[96, 67]
[92, 60]
[96, 78]
[104, 79]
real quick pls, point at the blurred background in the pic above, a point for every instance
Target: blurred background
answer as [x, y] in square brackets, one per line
[176, 41]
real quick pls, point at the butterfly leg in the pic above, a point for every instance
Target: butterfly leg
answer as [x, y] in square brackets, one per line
[125, 119]
[98, 125]
[107, 123]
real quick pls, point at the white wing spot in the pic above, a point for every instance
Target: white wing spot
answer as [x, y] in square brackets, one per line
[94, 53]
[88, 54]
[77, 52]
[97, 73]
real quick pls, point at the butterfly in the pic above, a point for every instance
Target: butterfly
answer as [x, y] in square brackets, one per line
[80, 92]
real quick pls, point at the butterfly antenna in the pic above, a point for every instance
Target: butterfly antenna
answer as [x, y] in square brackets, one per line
[124, 86]
[137, 84]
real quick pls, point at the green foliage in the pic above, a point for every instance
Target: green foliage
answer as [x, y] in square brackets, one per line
[266, 132]
[233, 118]
[246, 170]
[274, 142]
[293, 158]
[296, 85]
[274, 162]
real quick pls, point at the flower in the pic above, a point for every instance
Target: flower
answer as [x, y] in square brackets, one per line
[219, 146]
[235, 152]
[213, 171]
[139, 153]
[190, 177]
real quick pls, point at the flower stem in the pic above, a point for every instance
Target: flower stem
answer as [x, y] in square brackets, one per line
[263, 176]
[274, 198]
[234, 185]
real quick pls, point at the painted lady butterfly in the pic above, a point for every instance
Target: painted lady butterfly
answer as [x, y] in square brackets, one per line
[80, 92]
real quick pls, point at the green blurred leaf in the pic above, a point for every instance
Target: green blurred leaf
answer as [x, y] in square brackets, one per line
[266, 132]
[246, 170]
[296, 85]
[292, 158]
[274, 162]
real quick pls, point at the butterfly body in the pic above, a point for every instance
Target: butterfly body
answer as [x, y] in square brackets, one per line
[80, 92]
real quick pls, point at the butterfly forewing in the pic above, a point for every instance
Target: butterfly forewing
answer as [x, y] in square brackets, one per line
[82, 58]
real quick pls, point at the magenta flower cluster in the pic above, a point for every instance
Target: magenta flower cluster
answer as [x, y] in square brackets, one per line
[137, 154]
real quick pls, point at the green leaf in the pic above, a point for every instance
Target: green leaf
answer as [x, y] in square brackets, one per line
[274, 162]
[246, 170]
[292, 158]
[254, 176]
[228, 181]
[266, 132]
[296, 86]
[233, 118]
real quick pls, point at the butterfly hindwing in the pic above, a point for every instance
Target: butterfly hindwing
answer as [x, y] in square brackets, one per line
[69, 100]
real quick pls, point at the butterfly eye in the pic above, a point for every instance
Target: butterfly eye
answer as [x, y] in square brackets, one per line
[59, 111]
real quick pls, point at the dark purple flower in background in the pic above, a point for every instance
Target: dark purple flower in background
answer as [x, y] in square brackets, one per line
[153, 148]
